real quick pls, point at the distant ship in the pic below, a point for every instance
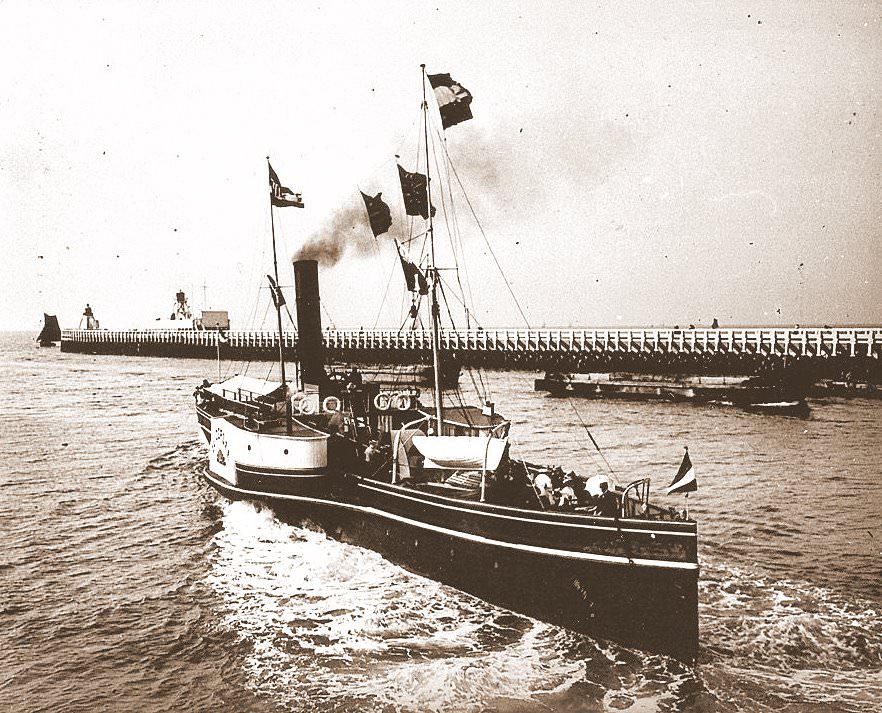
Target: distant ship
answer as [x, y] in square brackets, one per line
[51, 332]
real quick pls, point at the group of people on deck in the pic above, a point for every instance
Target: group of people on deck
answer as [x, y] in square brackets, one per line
[571, 492]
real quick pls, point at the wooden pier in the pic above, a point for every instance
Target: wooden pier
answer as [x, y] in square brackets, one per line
[830, 351]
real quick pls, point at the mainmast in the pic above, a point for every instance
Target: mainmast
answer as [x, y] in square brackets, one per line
[278, 303]
[433, 273]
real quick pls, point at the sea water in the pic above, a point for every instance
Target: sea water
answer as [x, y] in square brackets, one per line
[127, 584]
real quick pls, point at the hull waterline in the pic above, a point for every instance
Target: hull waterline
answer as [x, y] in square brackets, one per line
[646, 603]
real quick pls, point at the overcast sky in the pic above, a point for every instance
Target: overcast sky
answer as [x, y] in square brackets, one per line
[631, 163]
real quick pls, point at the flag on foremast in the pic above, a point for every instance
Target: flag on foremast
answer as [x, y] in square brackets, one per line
[278, 297]
[280, 196]
[414, 276]
[454, 100]
[413, 189]
[378, 213]
[684, 481]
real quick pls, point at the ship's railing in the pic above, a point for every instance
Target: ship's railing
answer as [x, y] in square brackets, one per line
[811, 342]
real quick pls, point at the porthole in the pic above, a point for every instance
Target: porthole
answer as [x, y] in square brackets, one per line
[286, 451]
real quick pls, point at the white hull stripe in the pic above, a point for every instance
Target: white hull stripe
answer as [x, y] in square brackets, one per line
[533, 549]
[520, 518]
[278, 473]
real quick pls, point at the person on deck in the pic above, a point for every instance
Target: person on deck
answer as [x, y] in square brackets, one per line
[354, 379]
[544, 488]
[607, 502]
[567, 499]
[336, 423]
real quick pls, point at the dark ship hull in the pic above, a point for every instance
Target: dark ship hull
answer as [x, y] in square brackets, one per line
[632, 581]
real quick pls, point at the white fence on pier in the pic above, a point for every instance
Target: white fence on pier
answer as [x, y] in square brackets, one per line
[803, 342]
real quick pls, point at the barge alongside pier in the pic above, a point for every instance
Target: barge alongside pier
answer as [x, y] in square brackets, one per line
[780, 393]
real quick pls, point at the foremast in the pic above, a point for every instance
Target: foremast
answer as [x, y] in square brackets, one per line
[278, 300]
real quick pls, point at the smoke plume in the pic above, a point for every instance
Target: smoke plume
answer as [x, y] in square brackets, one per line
[346, 232]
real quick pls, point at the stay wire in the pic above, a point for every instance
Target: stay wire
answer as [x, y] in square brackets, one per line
[487, 242]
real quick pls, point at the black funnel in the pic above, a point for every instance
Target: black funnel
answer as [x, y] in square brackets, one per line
[310, 348]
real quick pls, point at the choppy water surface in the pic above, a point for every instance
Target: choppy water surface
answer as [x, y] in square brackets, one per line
[126, 584]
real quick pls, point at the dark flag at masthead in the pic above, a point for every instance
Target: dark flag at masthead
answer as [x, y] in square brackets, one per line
[454, 100]
[378, 213]
[280, 196]
[413, 188]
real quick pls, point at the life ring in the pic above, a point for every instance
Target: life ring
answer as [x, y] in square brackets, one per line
[382, 401]
[403, 402]
[305, 407]
[326, 404]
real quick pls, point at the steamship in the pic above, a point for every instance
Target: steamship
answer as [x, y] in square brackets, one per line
[432, 484]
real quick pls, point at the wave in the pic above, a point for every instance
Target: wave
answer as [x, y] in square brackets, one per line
[805, 642]
[331, 624]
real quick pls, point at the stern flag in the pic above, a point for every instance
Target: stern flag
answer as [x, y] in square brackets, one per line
[453, 99]
[414, 276]
[278, 297]
[280, 196]
[413, 188]
[684, 481]
[378, 213]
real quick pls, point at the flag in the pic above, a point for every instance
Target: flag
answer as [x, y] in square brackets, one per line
[278, 297]
[413, 188]
[280, 196]
[454, 100]
[414, 277]
[378, 213]
[684, 481]
[222, 338]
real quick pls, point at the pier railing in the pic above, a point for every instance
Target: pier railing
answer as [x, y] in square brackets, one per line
[766, 342]
[812, 342]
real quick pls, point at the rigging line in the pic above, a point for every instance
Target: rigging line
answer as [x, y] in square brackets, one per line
[487, 243]
[415, 128]
[385, 295]
[523, 462]
[450, 221]
[480, 390]
[457, 243]
[483, 389]
[591, 436]
[247, 363]
[409, 240]
[331, 324]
